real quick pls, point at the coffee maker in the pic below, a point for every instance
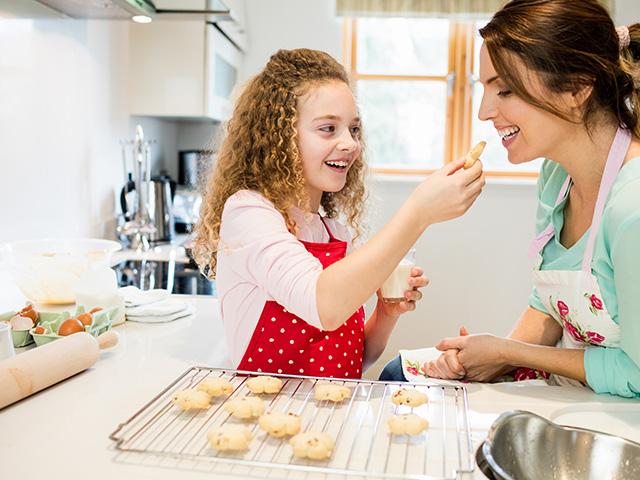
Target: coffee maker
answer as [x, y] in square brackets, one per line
[192, 164]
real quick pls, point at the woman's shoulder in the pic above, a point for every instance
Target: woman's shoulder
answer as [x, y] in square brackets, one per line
[624, 203]
[552, 176]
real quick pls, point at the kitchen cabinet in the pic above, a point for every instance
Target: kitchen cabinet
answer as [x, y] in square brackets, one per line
[181, 69]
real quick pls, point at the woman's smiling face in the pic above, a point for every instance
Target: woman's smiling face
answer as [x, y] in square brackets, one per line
[328, 137]
[527, 132]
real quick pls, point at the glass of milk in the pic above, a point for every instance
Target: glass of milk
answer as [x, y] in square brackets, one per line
[394, 287]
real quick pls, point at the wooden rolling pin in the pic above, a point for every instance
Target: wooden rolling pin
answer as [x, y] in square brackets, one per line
[31, 371]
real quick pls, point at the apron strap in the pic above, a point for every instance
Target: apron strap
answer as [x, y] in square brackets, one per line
[547, 234]
[615, 159]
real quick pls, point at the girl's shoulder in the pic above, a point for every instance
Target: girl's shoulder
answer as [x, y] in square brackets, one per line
[247, 198]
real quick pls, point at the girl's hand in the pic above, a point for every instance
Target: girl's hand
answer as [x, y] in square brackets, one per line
[482, 356]
[449, 192]
[416, 280]
[447, 366]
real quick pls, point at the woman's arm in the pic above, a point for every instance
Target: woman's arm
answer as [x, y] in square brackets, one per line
[348, 283]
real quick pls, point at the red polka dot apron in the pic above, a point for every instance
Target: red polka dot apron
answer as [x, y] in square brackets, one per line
[573, 298]
[284, 343]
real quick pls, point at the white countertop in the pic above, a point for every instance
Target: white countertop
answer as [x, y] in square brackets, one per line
[63, 432]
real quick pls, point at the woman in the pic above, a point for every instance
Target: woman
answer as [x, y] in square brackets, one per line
[560, 83]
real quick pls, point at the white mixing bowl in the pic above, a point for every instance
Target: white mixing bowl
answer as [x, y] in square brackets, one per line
[47, 270]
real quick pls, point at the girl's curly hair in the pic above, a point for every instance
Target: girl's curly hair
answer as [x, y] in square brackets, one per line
[260, 150]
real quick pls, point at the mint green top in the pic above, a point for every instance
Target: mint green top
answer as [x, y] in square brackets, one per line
[616, 265]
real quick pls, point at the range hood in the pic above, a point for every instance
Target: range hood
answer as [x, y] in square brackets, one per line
[127, 9]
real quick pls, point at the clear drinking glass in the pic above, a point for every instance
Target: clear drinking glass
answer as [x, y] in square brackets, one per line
[394, 287]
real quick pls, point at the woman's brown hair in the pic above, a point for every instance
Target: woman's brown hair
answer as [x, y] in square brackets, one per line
[569, 44]
[260, 150]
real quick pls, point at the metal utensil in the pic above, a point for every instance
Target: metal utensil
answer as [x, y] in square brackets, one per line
[522, 446]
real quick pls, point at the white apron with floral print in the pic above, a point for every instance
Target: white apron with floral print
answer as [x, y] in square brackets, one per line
[571, 297]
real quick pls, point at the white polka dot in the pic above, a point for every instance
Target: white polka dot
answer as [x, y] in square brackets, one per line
[310, 340]
[250, 359]
[346, 374]
[322, 369]
[260, 349]
[270, 360]
[349, 342]
[294, 321]
[330, 376]
[358, 370]
[262, 330]
[339, 365]
[282, 330]
[330, 357]
[327, 254]
[280, 351]
[301, 350]
[360, 340]
[304, 331]
[273, 319]
[352, 332]
[271, 340]
[290, 362]
[356, 351]
[284, 310]
[341, 334]
[311, 360]
[337, 346]
[279, 370]
[301, 370]
[326, 337]
[291, 341]
[351, 362]
[259, 369]
[345, 354]
[321, 348]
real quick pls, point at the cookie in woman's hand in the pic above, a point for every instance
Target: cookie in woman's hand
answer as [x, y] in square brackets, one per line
[409, 424]
[191, 399]
[278, 424]
[229, 437]
[264, 384]
[409, 396]
[314, 445]
[245, 407]
[216, 386]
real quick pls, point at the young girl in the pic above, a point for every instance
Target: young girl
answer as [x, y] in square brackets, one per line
[291, 163]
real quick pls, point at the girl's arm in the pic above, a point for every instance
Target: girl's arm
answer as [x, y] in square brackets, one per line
[344, 286]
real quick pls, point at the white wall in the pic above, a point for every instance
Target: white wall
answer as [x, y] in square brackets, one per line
[63, 109]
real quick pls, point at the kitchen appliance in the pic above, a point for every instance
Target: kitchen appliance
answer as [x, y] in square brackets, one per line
[192, 168]
[161, 208]
[525, 446]
[174, 276]
[126, 9]
[363, 446]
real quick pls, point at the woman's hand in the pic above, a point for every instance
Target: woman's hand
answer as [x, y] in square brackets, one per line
[448, 192]
[447, 366]
[482, 356]
[417, 280]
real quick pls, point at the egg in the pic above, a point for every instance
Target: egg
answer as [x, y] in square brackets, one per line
[38, 330]
[70, 326]
[18, 322]
[95, 309]
[28, 311]
[85, 318]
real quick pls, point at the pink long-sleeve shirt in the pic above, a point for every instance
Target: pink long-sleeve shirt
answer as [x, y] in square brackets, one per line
[260, 260]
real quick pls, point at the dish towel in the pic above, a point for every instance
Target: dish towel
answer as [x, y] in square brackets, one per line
[153, 306]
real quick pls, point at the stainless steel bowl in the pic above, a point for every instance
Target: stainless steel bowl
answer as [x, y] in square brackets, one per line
[523, 446]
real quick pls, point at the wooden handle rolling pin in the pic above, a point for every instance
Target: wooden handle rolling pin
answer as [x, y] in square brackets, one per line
[31, 371]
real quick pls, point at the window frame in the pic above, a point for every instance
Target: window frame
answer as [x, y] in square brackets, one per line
[459, 103]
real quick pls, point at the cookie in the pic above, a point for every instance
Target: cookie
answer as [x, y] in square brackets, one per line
[229, 437]
[473, 155]
[331, 391]
[191, 399]
[314, 445]
[245, 407]
[264, 384]
[409, 424]
[278, 424]
[409, 396]
[216, 386]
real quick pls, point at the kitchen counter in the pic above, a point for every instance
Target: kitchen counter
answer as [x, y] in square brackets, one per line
[63, 432]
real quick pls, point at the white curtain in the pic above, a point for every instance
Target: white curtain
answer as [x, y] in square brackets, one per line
[462, 9]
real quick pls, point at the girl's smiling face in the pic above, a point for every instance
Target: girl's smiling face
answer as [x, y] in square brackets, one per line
[328, 138]
[527, 132]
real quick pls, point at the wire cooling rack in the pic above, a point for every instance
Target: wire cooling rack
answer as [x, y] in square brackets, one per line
[363, 444]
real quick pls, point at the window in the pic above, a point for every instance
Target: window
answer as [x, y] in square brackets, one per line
[416, 80]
